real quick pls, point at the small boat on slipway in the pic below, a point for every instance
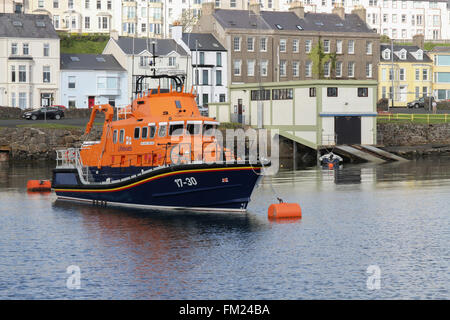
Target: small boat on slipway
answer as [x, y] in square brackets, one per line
[136, 163]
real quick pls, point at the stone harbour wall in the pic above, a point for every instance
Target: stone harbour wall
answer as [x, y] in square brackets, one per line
[41, 143]
[412, 134]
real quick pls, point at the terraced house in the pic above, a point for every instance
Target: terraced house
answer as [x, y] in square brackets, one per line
[29, 61]
[271, 46]
[441, 72]
[404, 71]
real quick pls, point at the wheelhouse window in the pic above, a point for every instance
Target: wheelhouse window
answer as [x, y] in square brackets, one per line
[137, 132]
[152, 131]
[176, 129]
[162, 129]
[209, 129]
[144, 133]
[115, 136]
[122, 136]
[193, 128]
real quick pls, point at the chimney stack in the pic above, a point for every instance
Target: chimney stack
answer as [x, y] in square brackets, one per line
[254, 6]
[208, 8]
[114, 34]
[361, 12]
[340, 11]
[419, 40]
[298, 9]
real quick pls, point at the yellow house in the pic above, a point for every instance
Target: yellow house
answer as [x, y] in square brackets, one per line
[407, 72]
[441, 72]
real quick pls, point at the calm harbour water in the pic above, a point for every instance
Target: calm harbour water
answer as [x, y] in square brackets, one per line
[395, 216]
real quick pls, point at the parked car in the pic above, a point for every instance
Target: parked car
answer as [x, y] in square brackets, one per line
[44, 113]
[420, 103]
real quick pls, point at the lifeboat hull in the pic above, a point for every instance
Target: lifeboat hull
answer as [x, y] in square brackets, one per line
[198, 187]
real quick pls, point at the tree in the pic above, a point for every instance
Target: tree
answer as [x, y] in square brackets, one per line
[319, 58]
[188, 19]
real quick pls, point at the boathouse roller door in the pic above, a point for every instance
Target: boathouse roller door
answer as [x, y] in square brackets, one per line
[348, 130]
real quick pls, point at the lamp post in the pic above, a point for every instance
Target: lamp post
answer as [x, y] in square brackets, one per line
[392, 72]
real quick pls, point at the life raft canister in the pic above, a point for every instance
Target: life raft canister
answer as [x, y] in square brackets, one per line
[39, 185]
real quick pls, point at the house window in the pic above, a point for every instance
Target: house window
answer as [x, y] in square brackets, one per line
[326, 69]
[237, 67]
[339, 46]
[295, 68]
[237, 44]
[109, 4]
[351, 46]
[338, 69]
[205, 77]
[99, 4]
[55, 4]
[351, 69]
[22, 74]
[368, 70]
[283, 68]
[218, 77]
[312, 92]
[263, 66]
[13, 99]
[369, 47]
[86, 4]
[218, 59]
[363, 92]
[250, 68]
[46, 49]
[417, 74]
[383, 92]
[250, 44]
[282, 45]
[332, 92]
[402, 74]
[417, 92]
[295, 45]
[308, 69]
[424, 91]
[26, 49]
[326, 46]
[202, 58]
[308, 45]
[46, 74]
[172, 61]
[425, 74]
[22, 100]
[263, 44]
[56, 22]
[71, 83]
[13, 74]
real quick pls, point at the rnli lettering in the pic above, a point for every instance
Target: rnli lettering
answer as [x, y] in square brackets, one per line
[147, 143]
[121, 148]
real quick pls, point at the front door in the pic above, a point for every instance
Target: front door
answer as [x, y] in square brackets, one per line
[240, 110]
[46, 99]
[91, 102]
[347, 130]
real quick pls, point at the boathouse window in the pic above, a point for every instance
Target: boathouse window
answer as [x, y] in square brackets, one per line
[176, 129]
[363, 92]
[137, 132]
[162, 130]
[282, 94]
[312, 92]
[122, 136]
[144, 132]
[193, 129]
[115, 136]
[152, 131]
[332, 92]
[258, 95]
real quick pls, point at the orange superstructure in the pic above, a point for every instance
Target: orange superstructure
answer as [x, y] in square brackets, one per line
[158, 128]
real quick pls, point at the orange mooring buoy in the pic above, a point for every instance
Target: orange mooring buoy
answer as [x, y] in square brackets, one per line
[284, 210]
[39, 185]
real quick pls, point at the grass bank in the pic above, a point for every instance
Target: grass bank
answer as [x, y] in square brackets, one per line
[76, 43]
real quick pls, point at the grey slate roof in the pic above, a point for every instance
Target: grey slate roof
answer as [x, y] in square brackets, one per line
[409, 56]
[287, 20]
[206, 42]
[163, 46]
[89, 62]
[26, 26]
[441, 48]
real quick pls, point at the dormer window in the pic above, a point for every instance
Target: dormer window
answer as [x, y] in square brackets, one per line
[402, 54]
[387, 54]
[419, 55]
